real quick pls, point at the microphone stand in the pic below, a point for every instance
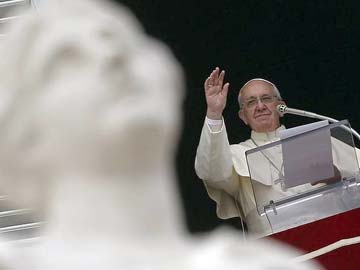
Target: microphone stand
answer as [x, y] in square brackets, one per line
[321, 117]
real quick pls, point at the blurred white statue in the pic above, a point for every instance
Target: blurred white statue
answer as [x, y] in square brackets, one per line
[89, 120]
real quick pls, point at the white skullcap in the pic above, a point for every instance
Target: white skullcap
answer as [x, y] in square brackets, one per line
[259, 79]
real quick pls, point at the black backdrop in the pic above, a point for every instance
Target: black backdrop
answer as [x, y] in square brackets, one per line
[309, 49]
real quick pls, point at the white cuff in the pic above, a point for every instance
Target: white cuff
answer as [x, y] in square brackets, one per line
[213, 122]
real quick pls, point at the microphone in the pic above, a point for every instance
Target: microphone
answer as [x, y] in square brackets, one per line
[283, 109]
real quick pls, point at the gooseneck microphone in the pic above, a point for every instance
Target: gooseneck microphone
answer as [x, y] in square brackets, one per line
[283, 109]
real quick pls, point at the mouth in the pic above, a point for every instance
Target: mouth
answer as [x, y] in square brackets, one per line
[262, 115]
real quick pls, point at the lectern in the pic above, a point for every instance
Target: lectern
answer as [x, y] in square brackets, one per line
[306, 176]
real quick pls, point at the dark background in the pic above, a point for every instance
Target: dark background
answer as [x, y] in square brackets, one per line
[309, 49]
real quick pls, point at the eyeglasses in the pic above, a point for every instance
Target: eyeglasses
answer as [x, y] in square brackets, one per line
[265, 99]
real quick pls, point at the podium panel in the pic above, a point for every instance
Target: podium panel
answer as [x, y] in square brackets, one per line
[306, 176]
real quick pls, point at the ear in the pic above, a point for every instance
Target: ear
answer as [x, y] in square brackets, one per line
[243, 116]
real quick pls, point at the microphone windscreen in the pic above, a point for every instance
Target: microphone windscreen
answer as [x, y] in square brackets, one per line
[281, 108]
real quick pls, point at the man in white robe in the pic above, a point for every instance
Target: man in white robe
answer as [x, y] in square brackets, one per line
[223, 167]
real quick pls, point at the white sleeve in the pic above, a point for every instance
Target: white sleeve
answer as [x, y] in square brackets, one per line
[214, 165]
[213, 157]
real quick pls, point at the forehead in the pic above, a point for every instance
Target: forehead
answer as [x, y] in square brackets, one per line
[257, 88]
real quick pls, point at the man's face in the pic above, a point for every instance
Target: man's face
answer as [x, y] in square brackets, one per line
[259, 110]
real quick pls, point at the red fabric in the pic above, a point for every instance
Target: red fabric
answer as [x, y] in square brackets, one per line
[324, 232]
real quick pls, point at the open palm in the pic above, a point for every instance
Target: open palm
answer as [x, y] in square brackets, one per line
[216, 94]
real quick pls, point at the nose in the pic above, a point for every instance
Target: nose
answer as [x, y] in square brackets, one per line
[260, 105]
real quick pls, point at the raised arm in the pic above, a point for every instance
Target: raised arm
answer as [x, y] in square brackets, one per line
[213, 159]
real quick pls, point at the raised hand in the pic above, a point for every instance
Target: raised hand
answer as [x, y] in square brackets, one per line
[216, 94]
